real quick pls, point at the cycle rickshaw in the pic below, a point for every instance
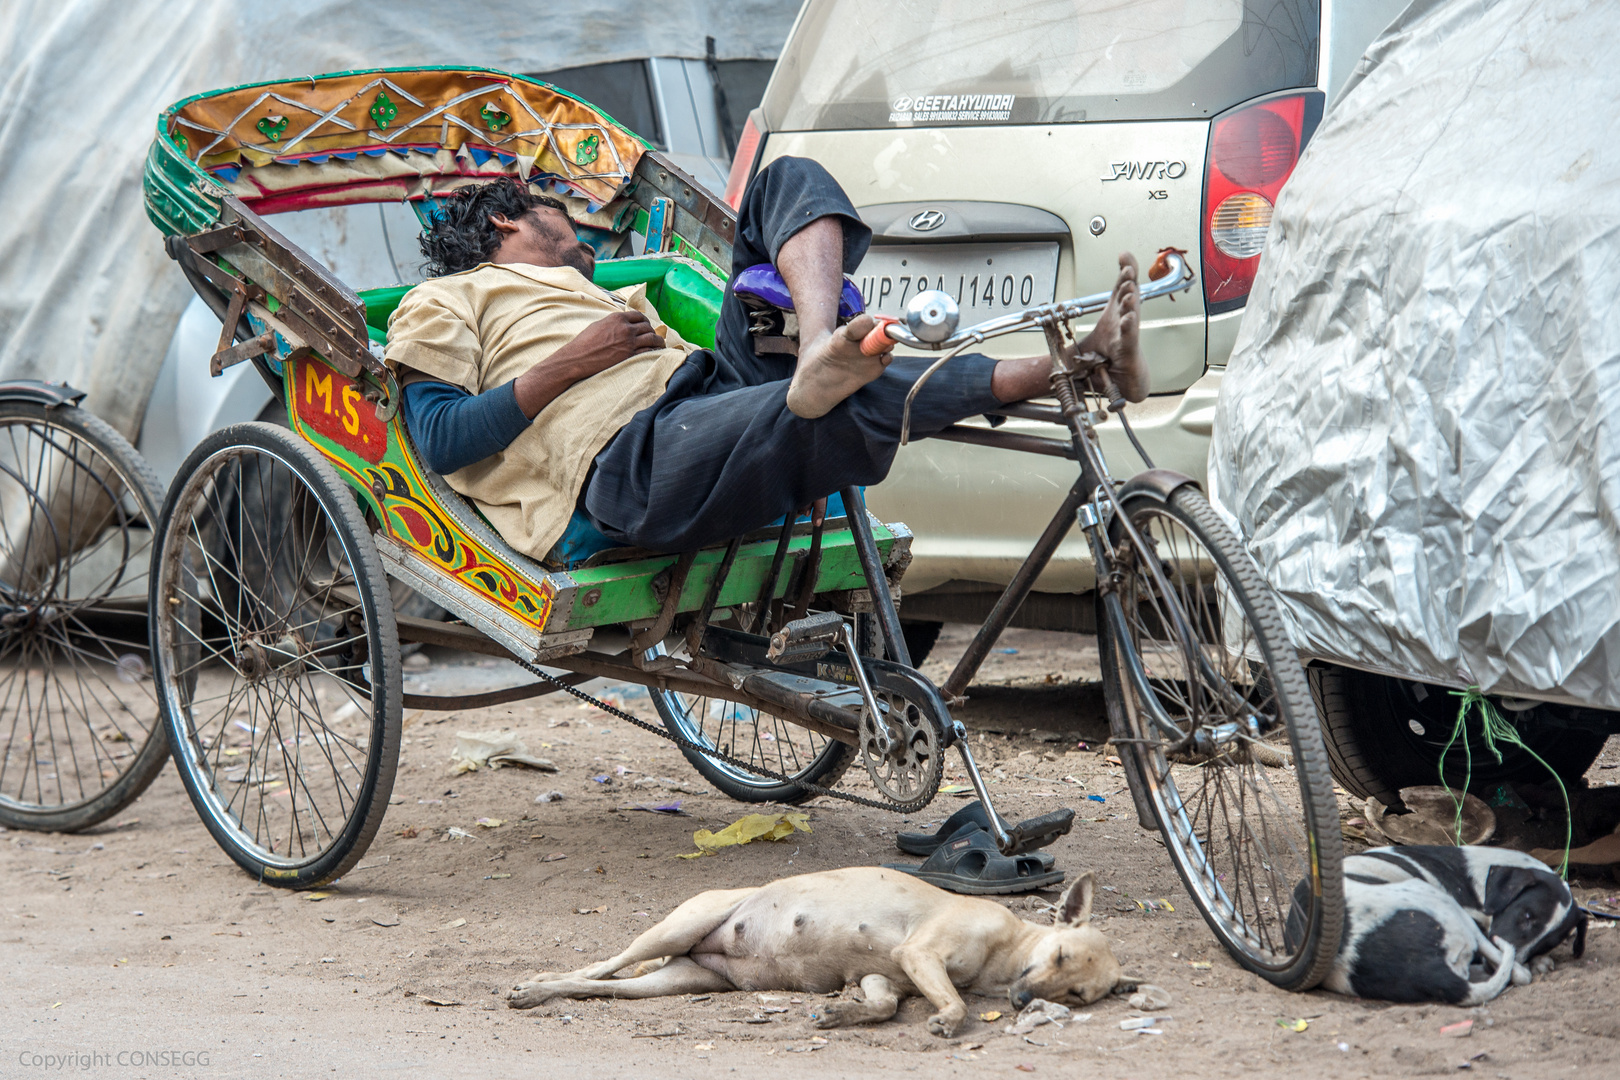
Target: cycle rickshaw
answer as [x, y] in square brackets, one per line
[775, 662]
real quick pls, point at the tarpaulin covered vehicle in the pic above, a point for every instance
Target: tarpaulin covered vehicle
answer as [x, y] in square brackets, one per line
[1418, 432]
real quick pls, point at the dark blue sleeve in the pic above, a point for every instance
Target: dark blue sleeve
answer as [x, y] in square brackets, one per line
[453, 429]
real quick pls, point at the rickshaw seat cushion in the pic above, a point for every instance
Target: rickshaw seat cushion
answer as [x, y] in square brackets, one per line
[688, 300]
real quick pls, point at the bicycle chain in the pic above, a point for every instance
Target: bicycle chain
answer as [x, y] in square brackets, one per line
[909, 807]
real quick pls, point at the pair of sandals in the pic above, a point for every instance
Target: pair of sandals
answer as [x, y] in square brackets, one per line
[962, 856]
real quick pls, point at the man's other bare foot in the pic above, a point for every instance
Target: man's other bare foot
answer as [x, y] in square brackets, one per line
[832, 368]
[1116, 334]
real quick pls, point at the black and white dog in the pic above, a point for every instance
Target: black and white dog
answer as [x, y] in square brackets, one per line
[1417, 919]
[1510, 894]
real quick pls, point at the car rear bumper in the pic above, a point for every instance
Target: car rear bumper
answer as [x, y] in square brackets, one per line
[976, 511]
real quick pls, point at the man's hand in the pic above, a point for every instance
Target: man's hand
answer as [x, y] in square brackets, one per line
[601, 345]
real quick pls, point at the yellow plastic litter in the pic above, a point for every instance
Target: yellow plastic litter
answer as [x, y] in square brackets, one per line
[1292, 1025]
[747, 829]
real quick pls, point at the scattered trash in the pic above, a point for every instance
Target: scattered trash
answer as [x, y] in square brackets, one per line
[1024, 1066]
[591, 910]
[458, 832]
[441, 1002]
[317, 896]
[1140, 1023]
[131, 668]
[1344, 1048]
[492, 750]
[1008, 652]
[1433, 818]
[1097, 798]
[746, 829]
[703, 1046]
[604, 778]
[673, 808]
[1149, 997]
[961, 791]
[1292, 1025]
[409, 832]
[990, 1017]
[453, 924]
[385, 920]
[1200, 965]
[554, 857]
[1038, 1012]
[489, 823]
[496, 877]
[549, 796]
[1460, 1030]
[1160, 904]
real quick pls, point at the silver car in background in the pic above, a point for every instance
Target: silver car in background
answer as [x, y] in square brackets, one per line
[1007, 151]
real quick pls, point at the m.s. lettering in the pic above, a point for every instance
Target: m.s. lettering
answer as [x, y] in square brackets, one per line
[339, 412]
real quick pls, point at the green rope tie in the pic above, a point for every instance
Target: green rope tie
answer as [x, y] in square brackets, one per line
[1496, 729]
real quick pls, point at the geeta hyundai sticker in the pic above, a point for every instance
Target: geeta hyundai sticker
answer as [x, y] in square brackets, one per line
[944, 108]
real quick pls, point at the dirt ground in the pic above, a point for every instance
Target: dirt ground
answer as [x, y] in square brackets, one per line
[139, 937]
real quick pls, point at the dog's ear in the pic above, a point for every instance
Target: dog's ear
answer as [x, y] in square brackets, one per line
[1505, 884]
[1075, 910]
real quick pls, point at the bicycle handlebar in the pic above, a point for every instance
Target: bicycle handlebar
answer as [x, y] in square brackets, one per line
[1174, 275]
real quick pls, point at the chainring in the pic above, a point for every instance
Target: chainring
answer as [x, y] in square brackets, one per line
[903, 749]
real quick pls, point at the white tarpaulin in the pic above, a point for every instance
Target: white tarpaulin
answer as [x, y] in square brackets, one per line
[86, 293]
[1419, 432]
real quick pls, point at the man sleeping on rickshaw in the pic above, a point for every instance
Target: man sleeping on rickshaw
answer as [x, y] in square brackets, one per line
[538, 394]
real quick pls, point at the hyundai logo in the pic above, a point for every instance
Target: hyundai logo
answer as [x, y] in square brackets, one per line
[927, 220]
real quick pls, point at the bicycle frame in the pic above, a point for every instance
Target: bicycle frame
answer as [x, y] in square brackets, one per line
[1092, 502]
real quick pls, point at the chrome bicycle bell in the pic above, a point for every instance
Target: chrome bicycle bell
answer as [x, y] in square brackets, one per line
[931, 316]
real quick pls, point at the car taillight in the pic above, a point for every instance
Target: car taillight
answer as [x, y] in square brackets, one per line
[1252, 153]
[742, 163]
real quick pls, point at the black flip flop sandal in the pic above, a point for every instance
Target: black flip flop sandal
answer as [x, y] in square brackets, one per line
[969, 863]
[1037, 832]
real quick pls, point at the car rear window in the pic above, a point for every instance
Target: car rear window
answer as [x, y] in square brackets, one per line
[903, 63]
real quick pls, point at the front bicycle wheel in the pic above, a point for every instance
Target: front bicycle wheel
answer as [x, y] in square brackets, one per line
[276, 656]
[1224, 737]
[79, 731]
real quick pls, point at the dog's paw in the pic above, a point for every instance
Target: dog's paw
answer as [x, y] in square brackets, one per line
[834, 1014]
[944, 1024]
[526, 995]
[1541, 965]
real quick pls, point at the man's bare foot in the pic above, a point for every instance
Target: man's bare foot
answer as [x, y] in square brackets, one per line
[1114, 336]
[832, 368]
[1116, 333]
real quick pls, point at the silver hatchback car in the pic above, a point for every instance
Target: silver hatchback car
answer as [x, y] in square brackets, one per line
[1007, 151]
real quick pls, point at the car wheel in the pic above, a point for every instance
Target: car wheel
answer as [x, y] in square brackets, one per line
[1385, 733]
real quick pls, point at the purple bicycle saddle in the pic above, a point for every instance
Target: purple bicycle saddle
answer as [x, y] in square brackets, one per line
[763, 283]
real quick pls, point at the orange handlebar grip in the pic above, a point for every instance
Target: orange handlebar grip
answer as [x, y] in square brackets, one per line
[877, 342]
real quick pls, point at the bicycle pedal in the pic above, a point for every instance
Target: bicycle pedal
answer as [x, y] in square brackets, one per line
[1037, 832]
[809, 638]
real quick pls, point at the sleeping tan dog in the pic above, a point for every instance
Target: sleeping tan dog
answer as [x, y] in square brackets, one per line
[893, 934]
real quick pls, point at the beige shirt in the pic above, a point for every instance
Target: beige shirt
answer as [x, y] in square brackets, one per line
[486, 326]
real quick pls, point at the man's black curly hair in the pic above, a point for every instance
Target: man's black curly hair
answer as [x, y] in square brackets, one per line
[462, 237]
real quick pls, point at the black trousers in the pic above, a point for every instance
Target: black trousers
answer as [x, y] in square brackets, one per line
[720, 453]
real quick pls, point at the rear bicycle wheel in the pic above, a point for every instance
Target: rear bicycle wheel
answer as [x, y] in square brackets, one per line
[276, 656]
[756, 738]
[1225, 740]
[79, 731]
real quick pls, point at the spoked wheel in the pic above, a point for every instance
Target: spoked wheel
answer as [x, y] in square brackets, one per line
[1225, 740]
[755, 738]
[276, 655]
[79, 734]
